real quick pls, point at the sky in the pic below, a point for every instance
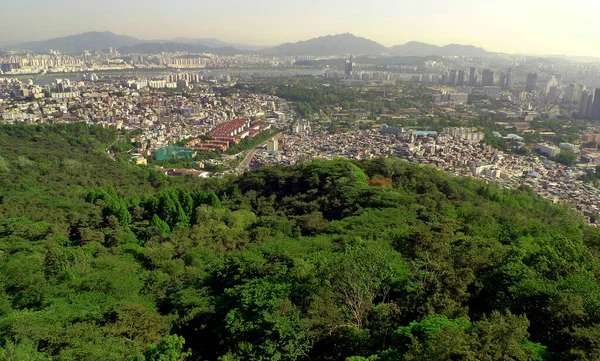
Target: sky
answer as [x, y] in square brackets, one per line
[566, 27]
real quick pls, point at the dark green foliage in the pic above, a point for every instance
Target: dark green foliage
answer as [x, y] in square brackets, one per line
[566, 158]
[169, 349]
[338, 260]
[312, 96]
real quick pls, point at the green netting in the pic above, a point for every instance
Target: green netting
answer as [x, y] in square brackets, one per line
[166, 153]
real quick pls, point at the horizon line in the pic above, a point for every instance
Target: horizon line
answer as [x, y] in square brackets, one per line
[12, 43]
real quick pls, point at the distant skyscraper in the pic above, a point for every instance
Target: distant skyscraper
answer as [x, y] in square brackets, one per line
[473, 77]
[552, 83]
[487, 78]
[445, 78]
[553, 94]
[502, 80]
[596, 105]
[577, 91]
[532, 82]
[86, 56]
[569, 94]
[350, 66]
[453, 77]
[461, 78]
[585, 106]
[477, 79]
[559, 79]
[510, 78]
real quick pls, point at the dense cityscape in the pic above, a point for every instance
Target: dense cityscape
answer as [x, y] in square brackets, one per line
[201, 103]
[329, 199]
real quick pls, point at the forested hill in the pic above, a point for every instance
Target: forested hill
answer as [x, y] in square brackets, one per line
[373, 260]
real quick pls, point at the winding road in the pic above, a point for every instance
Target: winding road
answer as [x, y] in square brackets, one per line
[245, 164]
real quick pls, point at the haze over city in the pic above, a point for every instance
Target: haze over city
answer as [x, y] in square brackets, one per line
[531, 26]
[335, 180]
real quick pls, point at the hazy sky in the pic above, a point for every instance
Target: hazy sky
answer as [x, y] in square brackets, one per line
[513, 26]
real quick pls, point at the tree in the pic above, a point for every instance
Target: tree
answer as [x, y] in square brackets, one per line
[363, 273]
[566, 158]
[504, 337]
[160, 224]
[326, 260]
[435, 338]
[137, 323]
[22, 351]
[169, 349]
[263, 323]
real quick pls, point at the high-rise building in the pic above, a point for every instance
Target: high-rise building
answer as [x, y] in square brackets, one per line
[350, 66]
[473, 77]
[585, 105]
[577, 91]
[502, 80]
[595, 113]
[453, 77]
[552, 83]
[487, 78]
[553, 94]
[87, 57]
[532, 83]
[272, 145]
[461, 78]
[569, 94]
[510, 78]
[445, 78]
[559, 79]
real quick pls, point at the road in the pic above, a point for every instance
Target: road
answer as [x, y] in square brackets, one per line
[245, 164]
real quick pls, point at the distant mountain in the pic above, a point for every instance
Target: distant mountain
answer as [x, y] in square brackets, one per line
[169, 47]
[104, 40]
[329, 45]
[216, 43]
[580, 59]
[415, 48]
[93, 40]
[464, 50]
[423, 49]
[340, 44]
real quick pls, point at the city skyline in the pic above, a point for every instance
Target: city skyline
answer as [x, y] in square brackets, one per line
[508, 27]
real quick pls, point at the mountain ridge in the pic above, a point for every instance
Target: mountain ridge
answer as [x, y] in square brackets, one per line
[424, 49]
[216, 43]
[327, 45]
[102, 40]
[91, 40]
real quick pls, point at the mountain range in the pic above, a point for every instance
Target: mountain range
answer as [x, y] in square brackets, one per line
[93, 40]
[216, 43]
[416, 48]
[329, 45]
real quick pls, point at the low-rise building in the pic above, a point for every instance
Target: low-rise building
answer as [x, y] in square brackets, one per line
[548, 150]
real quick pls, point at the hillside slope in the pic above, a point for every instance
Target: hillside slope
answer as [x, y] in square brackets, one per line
[93, 40]
[336, 260]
